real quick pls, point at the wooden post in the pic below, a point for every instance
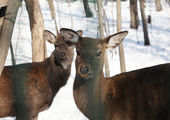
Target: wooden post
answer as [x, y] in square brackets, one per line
[119, 29]
[100, 17]
[7, 30]
[37, 28]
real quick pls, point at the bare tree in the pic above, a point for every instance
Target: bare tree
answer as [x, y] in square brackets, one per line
[168, 1]
[7, 30]
[3, 3]
[58, 11]
[158, 5]
[71, 17]
[2, 15]
[12, 54]
[53, 14]
[144, 22]
[119, 29]
[106, 1]
[113, 16]
[134, 19]
[87, 9]
[37, 28]
[100, 16]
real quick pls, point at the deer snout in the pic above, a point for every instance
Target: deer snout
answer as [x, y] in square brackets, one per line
[84, 69]
[62, 55]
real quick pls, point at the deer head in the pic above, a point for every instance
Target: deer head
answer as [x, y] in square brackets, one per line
[63, 54]
[90, 51]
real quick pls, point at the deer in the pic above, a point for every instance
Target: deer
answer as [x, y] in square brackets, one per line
[29, 88]
[142, 94]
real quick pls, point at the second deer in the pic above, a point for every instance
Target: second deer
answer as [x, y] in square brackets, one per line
[142, 94]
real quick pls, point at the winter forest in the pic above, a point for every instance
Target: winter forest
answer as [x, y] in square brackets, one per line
[42, 55]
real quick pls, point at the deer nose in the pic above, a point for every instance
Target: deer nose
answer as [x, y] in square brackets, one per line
[84, 69]
[62, 55]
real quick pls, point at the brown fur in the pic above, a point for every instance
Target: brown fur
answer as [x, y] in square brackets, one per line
[27, 89]
[138, 95]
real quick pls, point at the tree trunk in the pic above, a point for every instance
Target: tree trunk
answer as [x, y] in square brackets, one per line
[12, 54]
[144, 22]
[158, 5]
[7, 30]
[106, 1]
[37, 28]
[119, 29]
[168, 1]
[71, 17]
[3, 3]
[134, 19]
[58, 11]
[53, 15]
[1, 22]
[100, 13]
[87, 9]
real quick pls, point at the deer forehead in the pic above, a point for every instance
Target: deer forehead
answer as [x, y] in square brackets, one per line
[90, 44]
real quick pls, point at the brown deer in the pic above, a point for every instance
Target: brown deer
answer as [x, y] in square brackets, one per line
[27, 89]
[142, 94]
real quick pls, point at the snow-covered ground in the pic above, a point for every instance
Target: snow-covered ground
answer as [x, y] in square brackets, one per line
[136, 54]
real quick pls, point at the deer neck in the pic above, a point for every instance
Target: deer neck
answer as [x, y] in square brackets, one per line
[56, 75]
[88, 96]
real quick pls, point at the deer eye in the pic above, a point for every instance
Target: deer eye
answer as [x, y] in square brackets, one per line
[99, 53]
[62, 54]
[84, 69]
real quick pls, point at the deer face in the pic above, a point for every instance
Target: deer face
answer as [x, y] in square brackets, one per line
[89, 60]
[90, 52]
[63, 53]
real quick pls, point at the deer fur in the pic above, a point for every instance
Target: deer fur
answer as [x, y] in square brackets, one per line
[137, 95]
[27, 89]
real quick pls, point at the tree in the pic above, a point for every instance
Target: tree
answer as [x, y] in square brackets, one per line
[168, 1]
[87, 9]
[12, 54]
[134, 19]
[2, 14]
[7, 30]
[53, 15]
[158, 5]
[37, 28]
[100, 17]
[144, 22]
[3, 3]
[119, 29]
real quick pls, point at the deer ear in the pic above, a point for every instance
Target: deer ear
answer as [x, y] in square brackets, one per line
[80, 33]
[69, 35]
[49, 36]
[115, 39]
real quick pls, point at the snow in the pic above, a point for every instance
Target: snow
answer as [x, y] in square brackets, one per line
[136, 54]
